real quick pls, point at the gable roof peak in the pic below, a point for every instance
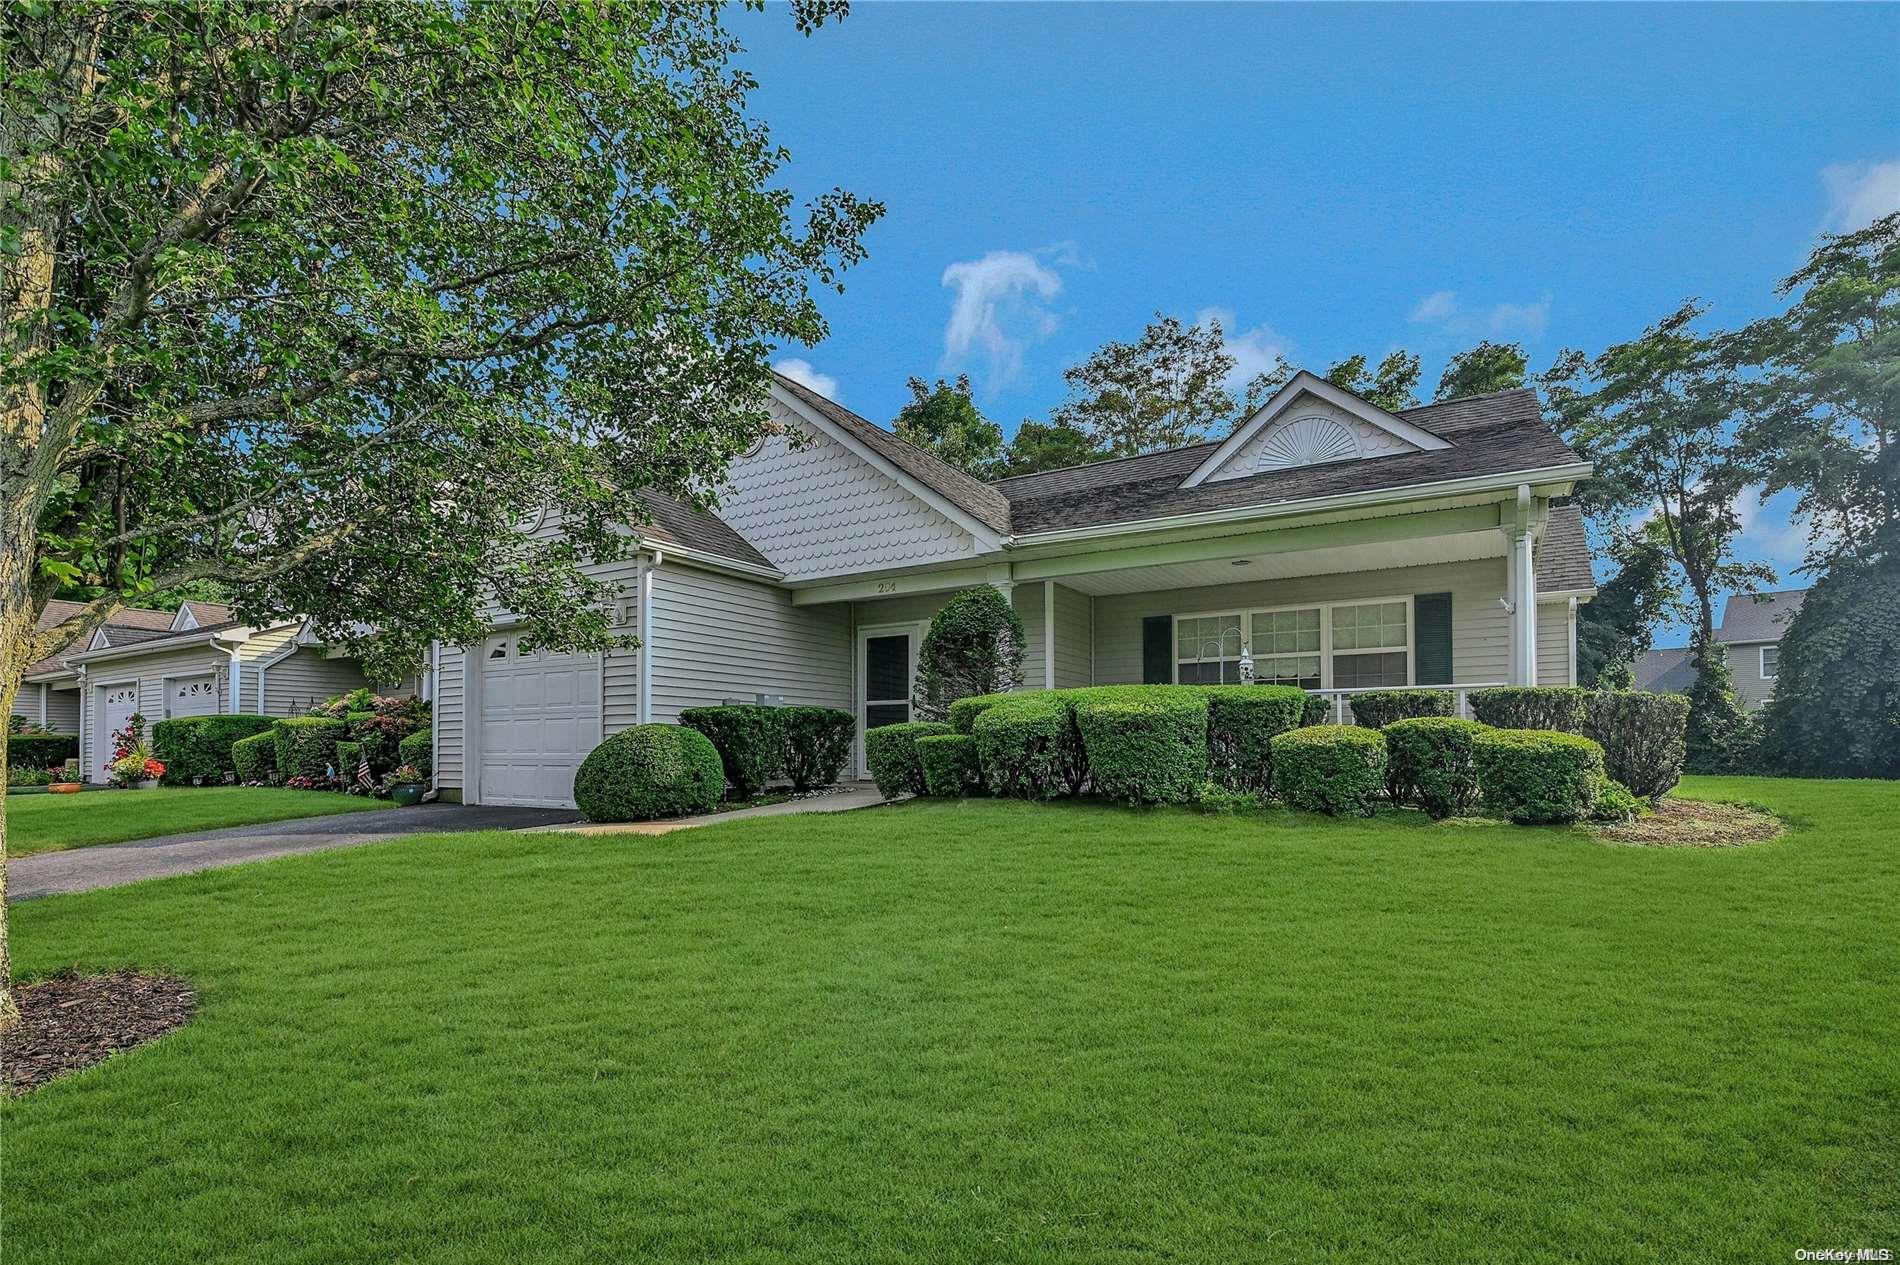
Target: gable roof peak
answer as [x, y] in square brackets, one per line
[1307, 383]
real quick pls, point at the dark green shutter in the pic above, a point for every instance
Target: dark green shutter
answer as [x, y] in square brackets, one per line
[1157, 650]
[1433, 613]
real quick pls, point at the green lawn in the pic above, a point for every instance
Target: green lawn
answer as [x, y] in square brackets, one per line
[978, 1032]
[47, 823]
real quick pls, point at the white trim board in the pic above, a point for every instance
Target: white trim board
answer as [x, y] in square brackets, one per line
[1306, 383]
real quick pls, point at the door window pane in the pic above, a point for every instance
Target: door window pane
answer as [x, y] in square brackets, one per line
[877, 715]
[887, 667]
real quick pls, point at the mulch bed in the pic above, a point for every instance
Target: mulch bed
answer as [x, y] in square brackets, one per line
[72, 1021]
[1689, 823]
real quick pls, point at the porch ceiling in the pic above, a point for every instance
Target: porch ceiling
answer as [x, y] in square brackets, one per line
[1462, 547]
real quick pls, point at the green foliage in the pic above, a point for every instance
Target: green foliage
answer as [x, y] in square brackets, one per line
[254, 759]
[1534, 776]
[199, 747]
[1313, 711]
[1149, 751]
[964, 711]
[1836, 709]
[974, 646]
[1560, 707]
[950, 765]
[27, 775]
[1718, 737]
[1038, 446]
[1375, 709]
[1217, 801]
[41, 751]
[418, 749]
[750, 740]
[1163, 390]
[1615, 803]
[1642, 738]
[1430, 758]
[306, 745]
[1392, 386]
[817, 745]
[943, 420]
[891, 753]
[1029, 747]
[349, 754]
[1334, 769]
[1483, 369]
[1615, 626]
[649, 771]
[1242, 721]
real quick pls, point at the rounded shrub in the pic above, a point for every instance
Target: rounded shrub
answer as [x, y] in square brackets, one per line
[1376, 709]
[1313, 711]
[254, 759]
[1559, 707]
[41, 751]
[418, 749]
[1615, 803]
[891, 751]
[306, 745]
[349, 754]
[1333, 769]
[1028, 747]
[974, 646]
[1145, 751]
[1429, 757]
[1642, 736]
[964, 711]
[1532, 776]
[198, 748]
[650, 771]
[1242, 722]
[817, 745]
[949, 764]
[750, 739]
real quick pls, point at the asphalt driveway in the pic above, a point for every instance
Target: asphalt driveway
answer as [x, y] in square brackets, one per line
[109, 865]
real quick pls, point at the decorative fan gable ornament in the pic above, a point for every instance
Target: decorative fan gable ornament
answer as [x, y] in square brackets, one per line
[1305, 441]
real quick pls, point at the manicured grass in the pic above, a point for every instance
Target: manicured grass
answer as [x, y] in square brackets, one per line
[47, 823]
[996, 1032]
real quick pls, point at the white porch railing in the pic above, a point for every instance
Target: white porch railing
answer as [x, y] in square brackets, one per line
[1339, 702]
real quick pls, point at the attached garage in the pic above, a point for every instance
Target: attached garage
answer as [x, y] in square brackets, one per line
[191, 696]
[541, 715]
[116, 705]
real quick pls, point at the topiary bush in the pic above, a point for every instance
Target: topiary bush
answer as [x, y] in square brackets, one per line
[817, 745]
[1242, 721]
[974, 646]
[891, 751]
[949, 764]
[1559, 707]
[1333, 769]
[1375, 709]
[1534, 776]
[41, 751]
[1145, 751]
[1028, 746]
[1430, 758]
[964, 711]
[1642, 736]
[306, 745]
[750, 739]
[254, 759]
[650, 771]
[198, 748]
[418, 749]
[1314, 711]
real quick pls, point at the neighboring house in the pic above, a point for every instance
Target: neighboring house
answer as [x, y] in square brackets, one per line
[1326, 542]
[1750, 637]
[198, 661]
[49, 689]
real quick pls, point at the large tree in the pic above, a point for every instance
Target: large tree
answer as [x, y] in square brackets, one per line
[1038, 446]
[1164, 389]
[944, 420]
[327, 301]
[1618, 624]
[1392, 386]
[1483, 369]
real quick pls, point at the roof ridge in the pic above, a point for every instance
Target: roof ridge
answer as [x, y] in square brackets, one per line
[1107, 461]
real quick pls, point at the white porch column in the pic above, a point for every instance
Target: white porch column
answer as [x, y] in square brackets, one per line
[1048, 634]
[1523, 610]
[643, 707]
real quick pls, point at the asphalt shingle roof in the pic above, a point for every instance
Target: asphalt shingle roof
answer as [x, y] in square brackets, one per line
[1665, 671]
[1563, 555]
[675, 522]
[1759, 616]
[125, 623]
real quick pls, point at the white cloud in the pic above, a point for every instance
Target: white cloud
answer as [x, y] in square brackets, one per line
[1860, 193]
[1255, 350]
[999, 307]
[1528, 317]
[1440, 306]
[801, 371]
[1770, 531]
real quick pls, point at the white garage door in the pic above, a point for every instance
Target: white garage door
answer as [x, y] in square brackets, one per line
[540, 718]
[116, 705]
[191, 696]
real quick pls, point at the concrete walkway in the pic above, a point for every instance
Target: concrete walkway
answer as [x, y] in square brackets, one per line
[109, 865]
[856, 795]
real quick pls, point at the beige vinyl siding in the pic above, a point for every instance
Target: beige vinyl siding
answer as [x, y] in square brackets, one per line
[1480, 628]
[151, 671]
[1553, 643]
[1752, 690]
[253, 652]
[716, 636]
[1074, 633]
[914, 608]
[308, 677]
[61, 707]
[448, 712]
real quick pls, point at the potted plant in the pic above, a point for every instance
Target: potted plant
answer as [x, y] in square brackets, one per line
[67, 782]
[137, 768]
[405, 785]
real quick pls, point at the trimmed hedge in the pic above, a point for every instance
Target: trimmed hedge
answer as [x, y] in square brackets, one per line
[1534, 776]
[1147, 751]
[348, 753]
[254, 759]
[817, 744]
[1375, 709]
[200, 746]
[1029, 747]
[1429, 757]
[750, 739]
[1242, 722]
[41, 751]
[949, 764]
[1314, 711]
[418, 749]
[964, 711]
[306, 745]
[649, 771]
[1559, 707]
[1642, 738]
[1333, 769]
[891, 751]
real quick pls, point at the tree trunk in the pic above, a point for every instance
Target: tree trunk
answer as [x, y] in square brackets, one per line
[17, 618]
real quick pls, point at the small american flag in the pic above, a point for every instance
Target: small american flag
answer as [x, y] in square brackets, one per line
[363, 778]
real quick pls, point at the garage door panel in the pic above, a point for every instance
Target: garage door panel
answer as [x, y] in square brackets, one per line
[540, 717]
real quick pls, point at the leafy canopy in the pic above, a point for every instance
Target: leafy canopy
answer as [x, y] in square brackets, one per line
[943, 420]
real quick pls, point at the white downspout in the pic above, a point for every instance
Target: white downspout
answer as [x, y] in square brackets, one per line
[645, 709]
[237, 683]
[1572, 648]
[1048, 634]
[43, 688]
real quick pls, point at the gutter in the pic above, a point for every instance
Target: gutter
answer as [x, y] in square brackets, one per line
[159, 645]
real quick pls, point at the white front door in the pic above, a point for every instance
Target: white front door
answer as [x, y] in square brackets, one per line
[191, 696]
[540, 718]
[116, 705]
[887, 664]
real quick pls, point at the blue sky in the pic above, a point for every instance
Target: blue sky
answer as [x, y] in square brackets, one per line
[1329, 179]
